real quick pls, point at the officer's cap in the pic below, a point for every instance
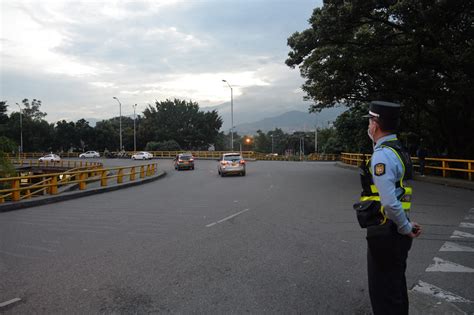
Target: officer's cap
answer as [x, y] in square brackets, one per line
[386, 112]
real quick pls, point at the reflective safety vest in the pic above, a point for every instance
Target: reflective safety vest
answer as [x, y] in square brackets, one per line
[369, 191]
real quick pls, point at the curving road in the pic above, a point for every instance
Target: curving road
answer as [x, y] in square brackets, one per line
[282, 239]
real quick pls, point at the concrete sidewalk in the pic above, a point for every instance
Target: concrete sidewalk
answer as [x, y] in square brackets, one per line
[47, 199]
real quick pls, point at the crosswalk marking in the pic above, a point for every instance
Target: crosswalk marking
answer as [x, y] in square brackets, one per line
[459, 234]
[453, 247]
[467, 225]
[430, 289]
[441, 265]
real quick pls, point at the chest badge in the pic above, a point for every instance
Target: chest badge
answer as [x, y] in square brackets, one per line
[379, 169]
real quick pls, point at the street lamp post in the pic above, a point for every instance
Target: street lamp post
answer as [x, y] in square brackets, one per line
[21, 130]
[231, 114]
[134, 129]
[316, 139]
[120, 122]
[272, 143]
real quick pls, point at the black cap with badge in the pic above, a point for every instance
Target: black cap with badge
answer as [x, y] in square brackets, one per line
[387, 113]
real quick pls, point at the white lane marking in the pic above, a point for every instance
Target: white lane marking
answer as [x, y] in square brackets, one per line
[439, 293]
[227, 218]
[453, 247]
[441, 265]
[467, 225]
[16, 255]
[469, 217]
[3, 304]
[39, 248]
[459, 234]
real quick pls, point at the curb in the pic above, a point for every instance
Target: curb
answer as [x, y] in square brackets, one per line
[76, 194]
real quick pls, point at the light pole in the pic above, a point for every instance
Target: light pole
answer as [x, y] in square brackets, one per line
[231, 115]
[272, 143]
[134, 130]
[120, 122]
[21, 130]
[316, 139]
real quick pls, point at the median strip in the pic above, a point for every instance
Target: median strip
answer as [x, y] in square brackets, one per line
[227, 218]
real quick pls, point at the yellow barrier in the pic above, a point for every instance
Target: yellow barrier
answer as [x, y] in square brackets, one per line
[62, 163]
[49, 183]
[445, 166]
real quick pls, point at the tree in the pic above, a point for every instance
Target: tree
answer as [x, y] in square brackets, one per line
[181, 121]
[418, 53]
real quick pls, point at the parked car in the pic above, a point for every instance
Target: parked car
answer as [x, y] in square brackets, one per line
[50, 158]
[231, 163]
[184, 161]
[143, 155]
[89, 154]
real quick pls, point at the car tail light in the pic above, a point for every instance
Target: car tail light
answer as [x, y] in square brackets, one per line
[242, 162]
[223, 162]
[190, 160]
[180, 161]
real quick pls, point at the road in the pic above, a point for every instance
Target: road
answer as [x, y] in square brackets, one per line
[283, 239]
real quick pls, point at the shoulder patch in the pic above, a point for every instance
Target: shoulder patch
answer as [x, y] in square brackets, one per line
[379, 169]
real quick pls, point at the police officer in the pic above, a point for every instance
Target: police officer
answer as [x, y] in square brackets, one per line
[390, 239]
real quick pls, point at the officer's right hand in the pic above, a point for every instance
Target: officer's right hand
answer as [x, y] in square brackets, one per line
[416, 230]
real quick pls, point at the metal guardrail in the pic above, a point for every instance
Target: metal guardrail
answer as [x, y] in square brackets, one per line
[204, 154]
[62, 163]
[444, 167]
[24, 187]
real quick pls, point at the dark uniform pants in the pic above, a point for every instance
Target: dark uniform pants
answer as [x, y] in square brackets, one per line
[386, 261]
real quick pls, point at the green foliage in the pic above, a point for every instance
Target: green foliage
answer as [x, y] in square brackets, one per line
[168, 145]
[418, 53]
[6, 168]
[7, 145]
[181, 121]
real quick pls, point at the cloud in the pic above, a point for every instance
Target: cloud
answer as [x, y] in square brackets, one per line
[76, 55]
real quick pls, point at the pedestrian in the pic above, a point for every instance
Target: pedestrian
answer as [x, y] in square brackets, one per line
[421, 153]
[384, 207]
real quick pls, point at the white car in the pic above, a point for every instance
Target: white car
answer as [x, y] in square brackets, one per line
[50, 158]
[231, 163]
[143, 155]
[89, 154]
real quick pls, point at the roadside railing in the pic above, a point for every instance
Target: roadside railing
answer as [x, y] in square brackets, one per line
[457, 168]
[25, 187]
[63, 163]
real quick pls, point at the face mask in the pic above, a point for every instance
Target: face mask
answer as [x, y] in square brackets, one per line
[370, 135]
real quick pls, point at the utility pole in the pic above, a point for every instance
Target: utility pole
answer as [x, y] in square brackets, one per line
[134, 129]
[21, 130]
[120, 122]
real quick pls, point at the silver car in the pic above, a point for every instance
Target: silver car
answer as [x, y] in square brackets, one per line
[231, 163]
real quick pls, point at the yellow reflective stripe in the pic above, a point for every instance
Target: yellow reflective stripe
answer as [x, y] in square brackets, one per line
[384, 216]
[373, 189]
[406, 206]
[365, 198]
[408, 190]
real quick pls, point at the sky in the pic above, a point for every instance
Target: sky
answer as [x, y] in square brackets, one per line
[75, 56]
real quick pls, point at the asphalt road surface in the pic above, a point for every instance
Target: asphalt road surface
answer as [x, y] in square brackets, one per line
[283, 239]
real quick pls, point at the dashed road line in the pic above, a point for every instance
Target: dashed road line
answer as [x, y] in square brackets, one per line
[6, 303]
[441, 265]
[439, 293]
[227, 218]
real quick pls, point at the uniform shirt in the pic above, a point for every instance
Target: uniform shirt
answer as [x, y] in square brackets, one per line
[387, 170]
